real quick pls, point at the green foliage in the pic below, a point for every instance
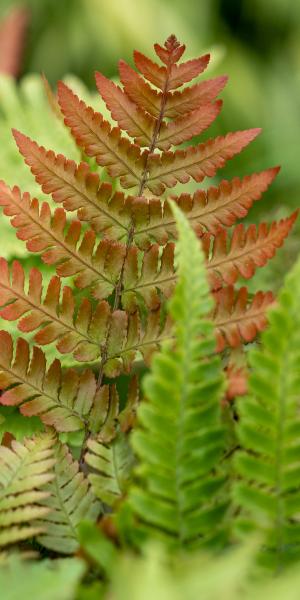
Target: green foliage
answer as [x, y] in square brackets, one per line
[268, 488]
[69, 501]
[24, 471]
[180, 438]
[111, 468]
[45, 580]
[179, 476]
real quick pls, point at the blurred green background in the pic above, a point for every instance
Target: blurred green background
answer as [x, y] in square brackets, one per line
[255, 42]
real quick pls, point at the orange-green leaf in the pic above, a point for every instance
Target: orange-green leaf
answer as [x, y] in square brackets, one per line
[76, 188]
[178, 75]
[248, 249]
[138, 90]
[53, 315]
[180, 103]
[61, 399]
[121, 158]
[238, 318]
[184, 128]
[196, 161]
[151, 280]
[138, 124]
[205, 210]
[73, 253]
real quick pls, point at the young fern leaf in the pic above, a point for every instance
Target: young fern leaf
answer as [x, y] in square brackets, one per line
[267, 491]
[180, 439]
[111, 466]
[25, 469]
[69, 500]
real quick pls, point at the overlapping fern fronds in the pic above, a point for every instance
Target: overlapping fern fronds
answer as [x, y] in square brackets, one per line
[180, 439]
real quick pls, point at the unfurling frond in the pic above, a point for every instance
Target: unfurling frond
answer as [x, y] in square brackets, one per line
[267, 491]
[111, 467]
[69, 500]
[25, 469]
[179, 441]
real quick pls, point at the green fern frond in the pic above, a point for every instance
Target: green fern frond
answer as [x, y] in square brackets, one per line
[268, 466]
[111, 467]
[24, 471]
[180, 439]
[69, 501]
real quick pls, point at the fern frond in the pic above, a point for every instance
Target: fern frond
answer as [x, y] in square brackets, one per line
[25, 469]
[247, 249]
[121, 158]
[267, 492]
[76, 187]
[237, 317]
[61, 399]
[69, 500]
[179, 440]
[195, 162]
[111, 468]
